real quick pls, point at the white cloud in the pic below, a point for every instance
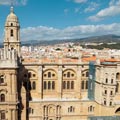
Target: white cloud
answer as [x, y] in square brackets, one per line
[114, 2]
[80, 1]
[23, 2]
[50, 33]
[66, 11]
[15, 2]
[118, 2]
[77, 10]
[107, 12]
[92, 6]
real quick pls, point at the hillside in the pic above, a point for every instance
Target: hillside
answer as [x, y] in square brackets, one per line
[96, 39]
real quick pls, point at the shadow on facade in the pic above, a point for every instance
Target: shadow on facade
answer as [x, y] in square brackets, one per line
[24, 93]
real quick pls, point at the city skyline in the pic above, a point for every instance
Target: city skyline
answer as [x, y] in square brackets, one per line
[63, 19]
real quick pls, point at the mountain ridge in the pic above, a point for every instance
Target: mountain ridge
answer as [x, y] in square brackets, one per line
[97, 39]
[94, 39]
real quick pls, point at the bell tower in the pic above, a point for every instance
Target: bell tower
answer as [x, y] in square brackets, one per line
[12, 33]
[9, 69]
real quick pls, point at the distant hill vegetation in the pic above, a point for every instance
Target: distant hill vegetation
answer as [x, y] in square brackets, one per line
[101, 39]
[102, 46]
[82, 41]
[96, 39]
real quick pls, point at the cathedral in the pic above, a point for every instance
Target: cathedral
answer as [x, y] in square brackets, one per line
[56, 90]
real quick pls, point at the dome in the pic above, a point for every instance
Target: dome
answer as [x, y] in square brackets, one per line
[12, 17]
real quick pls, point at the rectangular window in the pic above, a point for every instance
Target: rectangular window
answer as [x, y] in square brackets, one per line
[110, 103]
[11, 33]
[105, 91]
[82, 85]
[104, 102]
[86, 84]
[106, 80]
[111, 92]
[49, 74]
[45, 85]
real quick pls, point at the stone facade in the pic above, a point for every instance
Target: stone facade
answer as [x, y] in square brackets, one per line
[55, 91]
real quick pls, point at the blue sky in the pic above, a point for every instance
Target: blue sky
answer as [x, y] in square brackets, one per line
[63, 19]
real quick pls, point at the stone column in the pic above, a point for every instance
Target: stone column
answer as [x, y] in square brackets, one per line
[23, 94]
[40, 84]
[81, 108]
[14, 87]
[2, 55]
[14, 83]
[60, 81]
[57, 112]
[10, 83]
[14, 115]
[45, 111]
[78, 82]
[10, 115]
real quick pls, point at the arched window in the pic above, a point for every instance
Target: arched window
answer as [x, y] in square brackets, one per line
[49, 74]
[68, 74]
[64, 85]
[2, 98]
[49, 85]
[71, 108]
[53, 85]
[82, 85]
[90, 108]
[11, 24]
[11, 32]
[68, 84]
[2, 115]
[34, 85]
[72, 85]
[45, 85]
